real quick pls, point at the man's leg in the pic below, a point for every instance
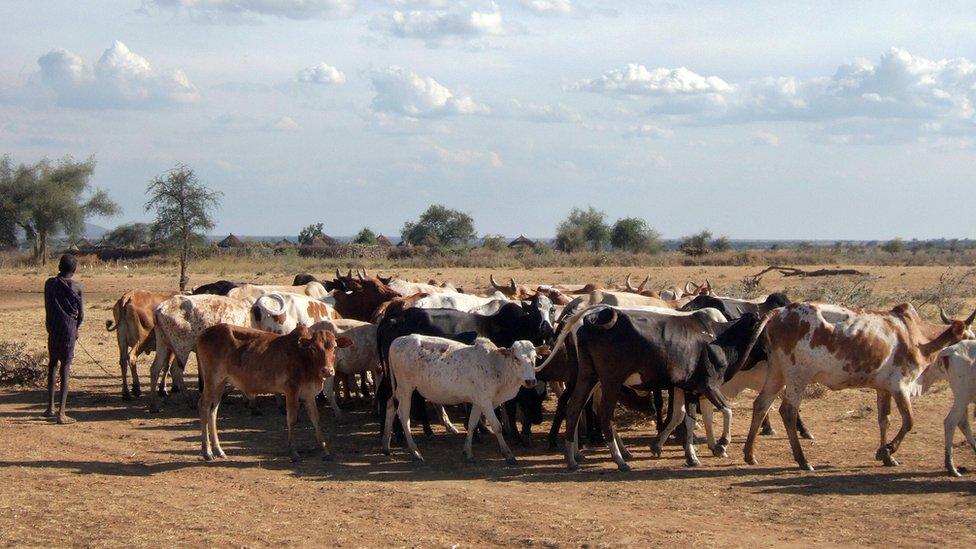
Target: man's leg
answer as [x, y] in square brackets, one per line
[52, 370]
[65, 376]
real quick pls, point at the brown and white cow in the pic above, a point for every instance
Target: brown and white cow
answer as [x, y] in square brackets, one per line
[179, 322]
[255, 362]
[133, 322]
[842, 348]
[280, 312]
[359, 358]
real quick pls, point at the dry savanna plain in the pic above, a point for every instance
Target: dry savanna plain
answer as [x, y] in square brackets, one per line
[124, 477]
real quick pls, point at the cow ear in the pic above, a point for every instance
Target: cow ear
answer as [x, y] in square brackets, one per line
[342, 342]
[543, 350]
[507, 353]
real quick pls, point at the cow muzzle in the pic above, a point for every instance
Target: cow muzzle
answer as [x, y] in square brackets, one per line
[529, 383]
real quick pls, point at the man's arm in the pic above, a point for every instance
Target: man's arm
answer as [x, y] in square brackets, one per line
[81, 306]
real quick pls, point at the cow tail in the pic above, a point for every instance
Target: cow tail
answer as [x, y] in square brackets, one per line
[744, 358]
[111, 325]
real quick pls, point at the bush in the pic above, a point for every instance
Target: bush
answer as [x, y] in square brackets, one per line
[19, 367]
[583, 229]
[633, 235]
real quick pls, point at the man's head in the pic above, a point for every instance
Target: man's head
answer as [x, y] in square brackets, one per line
[67, 265]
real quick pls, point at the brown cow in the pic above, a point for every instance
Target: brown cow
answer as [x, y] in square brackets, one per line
[255, 362]
[364, 299]
[133, 322]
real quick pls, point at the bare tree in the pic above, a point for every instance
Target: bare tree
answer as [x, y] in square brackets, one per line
[184, 209]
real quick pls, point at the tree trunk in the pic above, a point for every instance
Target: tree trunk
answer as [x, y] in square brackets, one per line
[184, 259]
[42, 246]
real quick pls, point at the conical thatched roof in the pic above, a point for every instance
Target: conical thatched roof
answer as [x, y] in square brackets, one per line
[324, 241]
[521, 242]
[231, 242]
[284, 243]
[383, 241]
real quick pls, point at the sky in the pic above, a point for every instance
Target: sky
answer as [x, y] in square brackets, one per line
[755, 119]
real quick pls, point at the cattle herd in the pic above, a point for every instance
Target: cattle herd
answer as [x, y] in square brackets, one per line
[418, 347]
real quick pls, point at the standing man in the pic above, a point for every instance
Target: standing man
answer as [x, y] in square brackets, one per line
[65, 312]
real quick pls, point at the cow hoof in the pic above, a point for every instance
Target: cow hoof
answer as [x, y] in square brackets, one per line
[417, 457]
[656, 448]
[154, 408]
[623, 467]
[719, 452]
[768, 432]
[879, 454]
[889, 461]
[126, 396]
[751, 460]
[161, 392]
[573, 466]
[580, 457]
[510, 460]
[626, 454]
[953, 472]
[220, 454]
[136, 391]
[692, 462]
[207, 457]
[806, 435]
[806, 467]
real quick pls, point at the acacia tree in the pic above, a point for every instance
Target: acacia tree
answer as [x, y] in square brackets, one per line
[439, 226]
[633, 234]
[365, 236]
[583, 228]
[184, 209]
[310, 233]
[49, 198]
[128, 234]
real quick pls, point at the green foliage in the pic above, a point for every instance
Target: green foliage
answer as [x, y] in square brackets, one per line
[697, 245]
[310, 233]
[722, 244]
[493, 242]
[894, 246]
[128, 234]
[184, 210]
[633, 235]
[365, 236]
[49, 198]
[439, 226]
[582, 229]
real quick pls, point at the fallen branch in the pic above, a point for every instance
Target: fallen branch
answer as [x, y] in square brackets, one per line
[787, 272]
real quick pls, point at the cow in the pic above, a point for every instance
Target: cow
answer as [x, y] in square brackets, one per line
[529, 320]
[221, 287]
[295, 365]
[957, 363]
[462, 302]
[519, 292]
[448, 372]
[734, 308]
[562, 366]
[179, 322]
[363, 302]
[842, 348]
[133, 322]
[361, 357]
[254, 291]
[692, 354]
[615, 299]
[405, 288]
[280, 312]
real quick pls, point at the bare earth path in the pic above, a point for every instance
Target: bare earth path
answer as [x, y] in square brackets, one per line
[124, 477]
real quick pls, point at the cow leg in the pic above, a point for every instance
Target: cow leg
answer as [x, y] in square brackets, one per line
[620, 444]
[658, 408]
[313, 415]
[708, 415]
[497, 427]
[203, 407]
[446, 420]
[160, 362]
[771, 388]
[804, 432]
[957, 415]
[124, 360]
[884, 411]
[363, 385]
[328, 390]
[387, 432]
[291, 411]
[421, 405]
[677, 414]
[715, 397]
[559, 415]
[136, 388]
[608, 401]
[403, 411]
[691, 458]
[789, 409]
[767, 428]
[214, 439]
[473, 418]
[581, 394]
[907, 422]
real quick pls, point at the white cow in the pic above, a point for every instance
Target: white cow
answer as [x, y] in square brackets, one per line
[254, 291]
[406, 288]
[281, 312]
[459, 302]
[958, 364]
[448, 372]
[361, 357]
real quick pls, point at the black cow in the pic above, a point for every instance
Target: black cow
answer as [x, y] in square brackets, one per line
[330, 285]
[221, 287]
[691, 354]
[530, 320]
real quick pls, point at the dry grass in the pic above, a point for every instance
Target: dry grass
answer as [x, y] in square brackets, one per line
[19, 367]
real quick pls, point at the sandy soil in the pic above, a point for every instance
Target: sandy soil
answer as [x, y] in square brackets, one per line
[124, 477]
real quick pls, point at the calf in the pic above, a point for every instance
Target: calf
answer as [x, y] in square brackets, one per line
[133, 322]
[361, 357]
[958, 364]
[841, 348]
[448, 372]
[253, 361]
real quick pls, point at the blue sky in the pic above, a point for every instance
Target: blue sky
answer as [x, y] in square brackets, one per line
[793, 120]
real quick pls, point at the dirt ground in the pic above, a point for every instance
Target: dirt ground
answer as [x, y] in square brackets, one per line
[121, 476]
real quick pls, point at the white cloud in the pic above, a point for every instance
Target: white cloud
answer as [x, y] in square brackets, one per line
[237, 11]
[648, 130]
[765, 138]
[285, 123]
[638, 80]
[536, 112]
[400, 91]
[434, 25]
[563, 8]
[120, 79]
[468, 156]
[321, 74]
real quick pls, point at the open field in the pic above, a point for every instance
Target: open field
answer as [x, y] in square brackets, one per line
[124, 477]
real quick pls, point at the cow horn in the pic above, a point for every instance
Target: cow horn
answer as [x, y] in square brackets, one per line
[263, 304]
[338, 274]
[349, 273]
[630, 287]
[945, 318]
[642, 284]
[708, 286]
[365, 272]
[494, 284]
[972, 317]
[514, 284]
[692, 285]
[605, 326]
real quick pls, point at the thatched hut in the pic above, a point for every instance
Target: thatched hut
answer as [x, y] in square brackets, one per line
[284, 243]
[230, 242]
[323, 241]
[383, 241]
[521, 243]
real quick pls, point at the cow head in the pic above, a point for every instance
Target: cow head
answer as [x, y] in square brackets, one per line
[639, 289]
[319, 348]
[968, 333]
[363, 299]
[541, 314]
[270, 314]
[525, 354]
[512, 290]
